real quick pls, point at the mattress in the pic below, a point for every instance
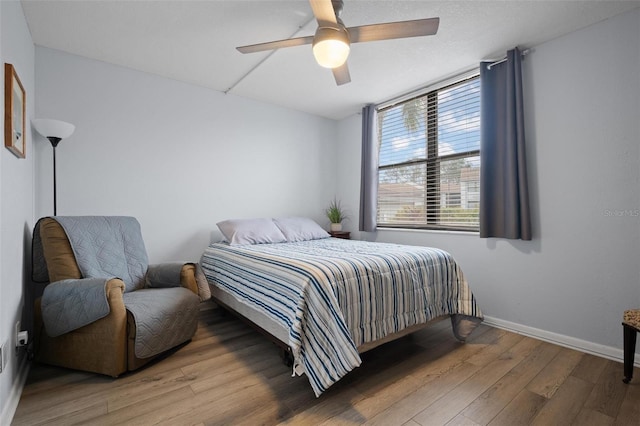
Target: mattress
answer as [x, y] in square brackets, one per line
[327, 298]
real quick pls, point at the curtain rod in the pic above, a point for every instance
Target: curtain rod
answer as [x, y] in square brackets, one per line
[452, 79]
[459, 76]
[525, 52]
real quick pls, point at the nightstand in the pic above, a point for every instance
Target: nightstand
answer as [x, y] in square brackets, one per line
[345, 235]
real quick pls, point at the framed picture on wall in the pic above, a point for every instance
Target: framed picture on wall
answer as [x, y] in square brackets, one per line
[14, 112]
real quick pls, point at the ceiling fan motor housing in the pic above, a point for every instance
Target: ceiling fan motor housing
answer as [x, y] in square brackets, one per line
[331, 46]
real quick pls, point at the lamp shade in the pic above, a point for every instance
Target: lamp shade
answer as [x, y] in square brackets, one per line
[53, 128]
[331, 47]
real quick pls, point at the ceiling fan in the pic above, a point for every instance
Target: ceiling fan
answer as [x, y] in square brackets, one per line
[332, 39]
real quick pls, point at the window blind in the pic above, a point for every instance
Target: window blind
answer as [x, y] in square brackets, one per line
[429, 159]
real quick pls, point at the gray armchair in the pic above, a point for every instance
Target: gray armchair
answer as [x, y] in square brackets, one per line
[106, 310]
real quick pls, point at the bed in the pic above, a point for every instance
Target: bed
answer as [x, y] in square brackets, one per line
[330, 299]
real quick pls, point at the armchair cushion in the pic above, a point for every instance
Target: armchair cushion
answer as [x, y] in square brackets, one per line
[108, 246]
[164, 318]
[70, 304]
[164, 275]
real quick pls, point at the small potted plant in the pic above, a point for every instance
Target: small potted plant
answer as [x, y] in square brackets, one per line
[336, 215]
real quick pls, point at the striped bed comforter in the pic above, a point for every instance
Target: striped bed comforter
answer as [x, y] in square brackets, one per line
[333, 295]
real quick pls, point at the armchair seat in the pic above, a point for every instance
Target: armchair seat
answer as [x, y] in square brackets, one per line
[169, 314]
[149, 308]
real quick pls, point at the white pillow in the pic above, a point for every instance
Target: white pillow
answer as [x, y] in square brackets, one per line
[251, 231]
[300, 229]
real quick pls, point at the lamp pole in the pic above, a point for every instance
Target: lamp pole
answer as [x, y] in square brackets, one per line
[54, 142]
[55, 131]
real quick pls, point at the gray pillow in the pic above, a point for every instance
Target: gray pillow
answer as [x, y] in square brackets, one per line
[300, 229]
[250, 231]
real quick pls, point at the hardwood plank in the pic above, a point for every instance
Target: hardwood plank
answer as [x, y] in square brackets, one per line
[589, 368]
[630, 408]
[141, 410]
[495, 349]
[609, 391]
[84, 395]
[379, 379]
[405, 409]
[147, 389]
[383, 388]
[566, 403]
[376, 374]
[521, 410]
[449, 405]
[484, 408]
[264, 407]
[204, 405]
[360, 411]
[547, 382]
[487, 346]
[65, 417]
[326, 408]
[221, 378]
[50, 404]
[588, 417]
[461, 420]
[439, 375]
[48, 377]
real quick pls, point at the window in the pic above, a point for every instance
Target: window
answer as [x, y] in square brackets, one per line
[429, 159]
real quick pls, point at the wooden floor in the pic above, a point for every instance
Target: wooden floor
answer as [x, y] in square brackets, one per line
[229, 374]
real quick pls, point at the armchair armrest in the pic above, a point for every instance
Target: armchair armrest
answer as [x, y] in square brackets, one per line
[164, 275]
[99, 347]
[193, 278]
[188, 277]
[115, 286]
[178, 274]
[71, 304]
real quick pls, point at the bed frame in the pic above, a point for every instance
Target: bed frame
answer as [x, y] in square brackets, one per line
[278, 335]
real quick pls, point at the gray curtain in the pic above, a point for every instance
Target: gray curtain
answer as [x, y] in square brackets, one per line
[504, 195]
[369, 170]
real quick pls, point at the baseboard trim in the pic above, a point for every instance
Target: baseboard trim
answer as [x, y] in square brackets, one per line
[10, 406]
[585, 346]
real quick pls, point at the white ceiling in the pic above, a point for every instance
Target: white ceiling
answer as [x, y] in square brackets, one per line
[194, 41]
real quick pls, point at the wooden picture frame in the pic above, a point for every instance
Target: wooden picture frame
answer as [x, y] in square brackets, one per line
[14, 113]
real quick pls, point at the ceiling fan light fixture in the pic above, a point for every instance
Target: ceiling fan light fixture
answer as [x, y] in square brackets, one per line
[331, 46]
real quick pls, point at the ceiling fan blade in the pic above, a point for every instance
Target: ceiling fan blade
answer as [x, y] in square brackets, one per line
[391, 30]
[270, 45]
[324, 13]
[341, 74]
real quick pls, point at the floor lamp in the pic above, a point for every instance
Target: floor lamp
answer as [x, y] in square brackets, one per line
[55, 131]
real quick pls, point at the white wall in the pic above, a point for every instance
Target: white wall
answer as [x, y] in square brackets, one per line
[16, 209]
[178, 157]
[580, 272]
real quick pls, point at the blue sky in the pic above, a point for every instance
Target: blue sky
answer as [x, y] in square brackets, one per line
[458, 120]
